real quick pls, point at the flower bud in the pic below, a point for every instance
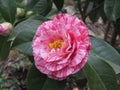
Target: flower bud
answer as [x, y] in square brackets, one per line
[5, 28]
[20, 12]
[29, 13]
[76, 88]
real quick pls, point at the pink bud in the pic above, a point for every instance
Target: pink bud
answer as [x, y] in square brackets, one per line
[76, 88]
[5, 28]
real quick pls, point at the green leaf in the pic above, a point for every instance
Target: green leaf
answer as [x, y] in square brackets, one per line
[35, 79]
[112, 9]
[25, 30]
[104, 51]
[38, 17]
[22, 35]
[52, 12]
[31, 4]
[100, 74]
[42, 7]
[4, 47]
[8, 10]
[51, 84]
[38, 81]
[59, 4]
[25, 48]
[97, 13]
[80, 79]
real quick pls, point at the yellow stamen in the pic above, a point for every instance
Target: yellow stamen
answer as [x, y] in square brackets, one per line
[56, 44]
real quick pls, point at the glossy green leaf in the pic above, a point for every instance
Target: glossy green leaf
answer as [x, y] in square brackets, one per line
[100, 74]
[104, 51]
[112, 9]
[8, 10]
[4, 47]
[22, 35]
[59, 4]
[38, 81]
[42, 7]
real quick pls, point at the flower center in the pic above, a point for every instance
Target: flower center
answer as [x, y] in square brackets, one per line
[56, 44]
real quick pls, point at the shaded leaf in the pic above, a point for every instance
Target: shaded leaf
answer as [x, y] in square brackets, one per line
[95, 14]
[25, 48]
[51, 84]
[80, 79]
[4, 47]
[52, 12]
[38, 81]
[8, 10]
[112, 9]
[42, 7]
[38, 17]
[59, 4]
[35, 79]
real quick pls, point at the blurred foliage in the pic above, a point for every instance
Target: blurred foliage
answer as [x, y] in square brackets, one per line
[108, 10]
[103, 63]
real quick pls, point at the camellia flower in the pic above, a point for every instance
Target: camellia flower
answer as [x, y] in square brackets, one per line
[5, 28]
[61, 46]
